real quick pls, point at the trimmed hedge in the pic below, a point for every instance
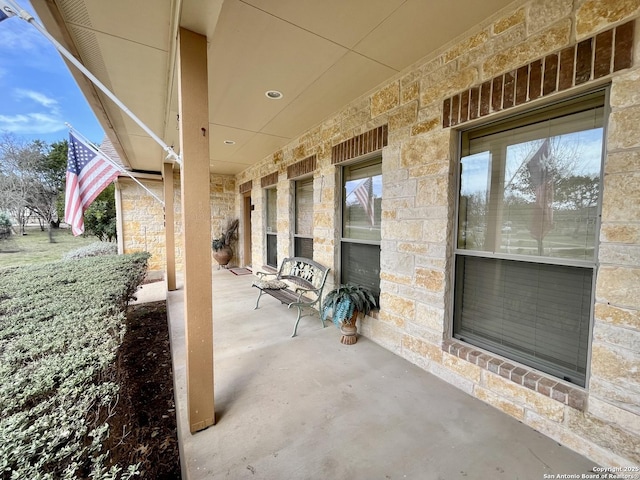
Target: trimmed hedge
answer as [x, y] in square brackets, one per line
[60, 326]
[94, 249]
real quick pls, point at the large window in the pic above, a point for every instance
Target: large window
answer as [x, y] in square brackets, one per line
[527, 236]
[303, 233]
[360, 245]
[272, 227]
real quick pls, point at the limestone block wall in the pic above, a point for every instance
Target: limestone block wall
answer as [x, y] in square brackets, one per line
[142, 222]
[223, 196]
[601, 421]
[142, 217]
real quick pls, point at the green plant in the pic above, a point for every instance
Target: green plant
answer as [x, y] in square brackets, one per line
[224, 240]
[94, 249]
[62, 324]
[5, 226]
[346, 300]
[100, 217]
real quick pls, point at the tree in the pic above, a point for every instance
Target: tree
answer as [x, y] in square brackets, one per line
[5, 226]
[32, 179]
[100, 217]
[18, 177]
[555, 178]
[54, 170]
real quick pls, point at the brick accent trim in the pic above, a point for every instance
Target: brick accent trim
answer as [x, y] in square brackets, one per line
[588, 60]
[546, 385]
[302, 167]
[245, 187]
[269, 180]
[362, 144]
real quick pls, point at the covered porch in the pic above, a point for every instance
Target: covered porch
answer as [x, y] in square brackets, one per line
[262, 97]
[310, 407]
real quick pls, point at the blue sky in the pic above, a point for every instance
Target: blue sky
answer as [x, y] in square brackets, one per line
[38, 92]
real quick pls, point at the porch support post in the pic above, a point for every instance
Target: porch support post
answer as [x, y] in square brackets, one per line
[196, 221]
[169, 226]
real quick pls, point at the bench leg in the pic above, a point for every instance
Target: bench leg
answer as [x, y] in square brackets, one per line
[295, 327]
[258, 300]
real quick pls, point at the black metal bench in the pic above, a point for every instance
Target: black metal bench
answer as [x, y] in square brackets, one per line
[298, 283]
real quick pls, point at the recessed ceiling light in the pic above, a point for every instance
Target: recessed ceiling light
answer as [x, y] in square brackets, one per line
[273, 94]
[229, 142]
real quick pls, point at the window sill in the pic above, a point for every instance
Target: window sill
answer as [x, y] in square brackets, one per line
[573, 396]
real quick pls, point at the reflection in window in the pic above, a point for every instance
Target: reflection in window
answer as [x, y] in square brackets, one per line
[272, 227]
[527, 230]
[303, 234]
[361, 213]
[533, 197]
[362, 194]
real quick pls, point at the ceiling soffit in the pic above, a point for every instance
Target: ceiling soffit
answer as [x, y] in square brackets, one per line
[320, 55]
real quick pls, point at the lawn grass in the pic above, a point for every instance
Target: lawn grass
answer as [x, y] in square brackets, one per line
[36, 248]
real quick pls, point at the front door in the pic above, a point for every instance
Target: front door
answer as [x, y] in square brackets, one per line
[246, 236]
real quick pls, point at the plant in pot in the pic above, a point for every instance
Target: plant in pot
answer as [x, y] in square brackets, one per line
[221, 245]
[345, 303]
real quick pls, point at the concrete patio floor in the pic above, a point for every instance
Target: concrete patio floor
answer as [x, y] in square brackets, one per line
[311, 408]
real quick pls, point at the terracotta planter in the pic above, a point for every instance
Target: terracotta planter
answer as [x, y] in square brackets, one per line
[223, 256]
[349, 330]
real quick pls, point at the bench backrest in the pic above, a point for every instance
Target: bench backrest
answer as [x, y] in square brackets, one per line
[303, 271]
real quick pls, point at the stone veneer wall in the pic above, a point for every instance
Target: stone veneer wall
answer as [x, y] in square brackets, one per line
[142, 220]
[602, 421]
[143, 217]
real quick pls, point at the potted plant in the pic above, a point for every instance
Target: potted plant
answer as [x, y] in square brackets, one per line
[221, 245]
[345, 303]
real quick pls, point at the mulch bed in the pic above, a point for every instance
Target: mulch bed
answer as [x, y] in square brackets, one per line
[143, 429]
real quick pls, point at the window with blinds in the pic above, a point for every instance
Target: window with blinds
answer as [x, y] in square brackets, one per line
[303, 232]
[361, 214]
[271, 240]
[528, 209]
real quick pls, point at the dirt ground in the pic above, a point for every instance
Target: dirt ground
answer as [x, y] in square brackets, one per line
[144, 429]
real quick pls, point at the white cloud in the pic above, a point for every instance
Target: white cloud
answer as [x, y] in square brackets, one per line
[17, 36]
[37, 97]
[43, 114]
[31, 123]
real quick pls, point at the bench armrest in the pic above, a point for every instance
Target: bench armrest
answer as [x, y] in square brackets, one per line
[266, 274]
[301, 291]
[307, 290]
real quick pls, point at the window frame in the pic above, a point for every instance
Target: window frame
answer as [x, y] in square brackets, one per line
[363, 161]
[295, 234]
[267, 233]
[504, 124]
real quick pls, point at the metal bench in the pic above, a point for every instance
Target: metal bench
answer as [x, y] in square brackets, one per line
[298, 283]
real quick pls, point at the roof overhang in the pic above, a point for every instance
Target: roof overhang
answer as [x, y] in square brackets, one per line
[321, 55]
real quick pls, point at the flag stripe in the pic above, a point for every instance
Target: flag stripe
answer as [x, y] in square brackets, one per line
[364, 194]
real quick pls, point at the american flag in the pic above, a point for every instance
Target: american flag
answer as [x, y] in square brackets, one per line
[542, 181]
[364, 194]
[88, 173]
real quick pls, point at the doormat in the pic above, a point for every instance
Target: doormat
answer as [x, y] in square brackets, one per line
[240, 271]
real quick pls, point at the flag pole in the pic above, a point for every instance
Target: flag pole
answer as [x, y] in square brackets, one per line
[111, 161]
[26, 16]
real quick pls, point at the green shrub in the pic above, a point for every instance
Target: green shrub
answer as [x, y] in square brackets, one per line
[60, 326]
[94, 249]
[5, 226]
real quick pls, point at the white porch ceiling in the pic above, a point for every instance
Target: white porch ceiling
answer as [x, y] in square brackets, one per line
[321, 54]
